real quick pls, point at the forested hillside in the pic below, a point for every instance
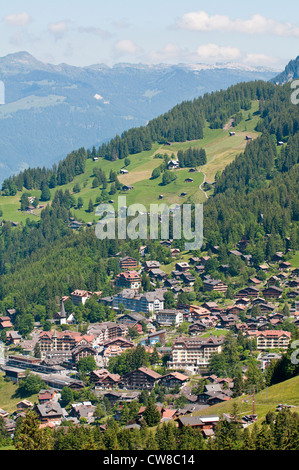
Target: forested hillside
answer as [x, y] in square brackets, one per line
[256, 197]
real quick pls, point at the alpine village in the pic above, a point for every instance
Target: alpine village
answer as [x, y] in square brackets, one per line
[140, 344]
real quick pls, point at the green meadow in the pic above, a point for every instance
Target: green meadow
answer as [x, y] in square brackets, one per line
[220, 147]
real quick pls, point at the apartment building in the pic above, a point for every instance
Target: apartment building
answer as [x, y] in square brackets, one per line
[148, 302]
[194, 352]
[270, 339]
[61, 341]
[168, 317]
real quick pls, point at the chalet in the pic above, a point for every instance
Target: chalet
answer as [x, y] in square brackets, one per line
[5, 322]
[194, 260]
[293, 294]
[45, 396]
[83, 410]
[173, 164]
[295, 272]
[264, 308]
[81, 351]
[128, 263]
[278, 256]
[197, 327]
[254, 281]
[227, 321]
[236, 309]
[182, 267]
[248, 137]
[200, 268]
[50, 412]
[206, 424]
[188, 180]
[75, 225]
[273, 281]
[24, 405]
[235, 253]
[123, 343]
[109, 381]
[214, 285]
[173, 378]
[13, 337]
[267, 358]
[284, 265]
[127, 187]
[294, 283]
[148, 265]
[157, 273]
[212, 307]
[198, 312]
[174, 252]
[217, 398]
[171, 283]
[141, 379]
[272, 292]
[132, 318]
[247, 292]
[128, 280]
[123, 171]
[245, 301]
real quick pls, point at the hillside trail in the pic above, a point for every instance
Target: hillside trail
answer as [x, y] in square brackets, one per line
[205, 177]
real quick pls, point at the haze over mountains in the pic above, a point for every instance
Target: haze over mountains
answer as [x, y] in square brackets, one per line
[50, 109]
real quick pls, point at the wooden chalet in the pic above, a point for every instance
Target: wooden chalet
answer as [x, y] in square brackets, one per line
[272, 292]
[140, 379]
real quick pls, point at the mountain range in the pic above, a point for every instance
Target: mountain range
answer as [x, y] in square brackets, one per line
[50, 110]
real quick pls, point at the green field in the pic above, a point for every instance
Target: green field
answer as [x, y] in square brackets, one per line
[221, 149]
[295, 260]
[8, 398]
[285, 392]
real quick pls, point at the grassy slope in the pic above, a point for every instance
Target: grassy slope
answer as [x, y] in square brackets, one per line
[221, 150]
[8, 400]
[285, 392]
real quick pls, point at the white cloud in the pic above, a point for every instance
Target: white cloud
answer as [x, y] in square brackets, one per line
[97, 31]
[208, 52]
[170, 51]
[58, 29]
[260, 59]
[125, 47]
[18, 19]
[257, 24]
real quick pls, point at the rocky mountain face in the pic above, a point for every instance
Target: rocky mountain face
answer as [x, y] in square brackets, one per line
[291, 72]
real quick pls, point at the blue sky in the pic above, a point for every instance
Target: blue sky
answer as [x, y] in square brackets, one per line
[158, 31]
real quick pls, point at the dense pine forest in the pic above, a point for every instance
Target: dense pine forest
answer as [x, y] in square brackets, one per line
[278, 432]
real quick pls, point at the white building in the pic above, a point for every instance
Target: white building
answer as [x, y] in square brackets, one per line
[169, 317]
[194, 352]
[148, 302]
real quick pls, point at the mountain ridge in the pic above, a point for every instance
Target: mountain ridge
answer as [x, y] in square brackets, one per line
[93, 103]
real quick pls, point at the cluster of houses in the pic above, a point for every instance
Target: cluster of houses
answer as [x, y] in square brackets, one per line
[255, 312]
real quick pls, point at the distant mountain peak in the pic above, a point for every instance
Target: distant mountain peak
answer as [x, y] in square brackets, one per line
[291, 72]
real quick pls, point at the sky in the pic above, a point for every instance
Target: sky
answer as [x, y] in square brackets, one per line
[81, 33]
